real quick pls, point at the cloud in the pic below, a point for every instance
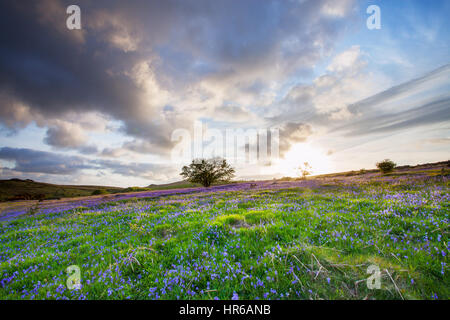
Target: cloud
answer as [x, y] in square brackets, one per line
[130, 62]
[88, 150]
[14, 114]
[346, 60]
[33, 161]
[232, 113]
[113, 152]
[144, 170]
[136, 72]
[292, 133]
[29, 161]
[438, 140]
[430, 113]
[327, 97]
[71, 133]
[313, 108]
[425, 100]
[337, 8]
[66, 135]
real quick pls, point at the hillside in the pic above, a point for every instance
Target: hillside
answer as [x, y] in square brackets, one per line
[425, 168]
[185, 184]
[17, 189]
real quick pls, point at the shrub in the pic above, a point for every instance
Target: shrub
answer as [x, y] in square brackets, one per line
[386, 165]
[99, 191]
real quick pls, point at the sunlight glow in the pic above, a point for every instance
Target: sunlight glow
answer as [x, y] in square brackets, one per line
[304, 152]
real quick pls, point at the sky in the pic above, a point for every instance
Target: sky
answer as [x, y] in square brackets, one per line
[103, 104]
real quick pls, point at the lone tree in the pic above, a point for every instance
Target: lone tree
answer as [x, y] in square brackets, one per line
[206, 172]
[386, 165]
[305, 169]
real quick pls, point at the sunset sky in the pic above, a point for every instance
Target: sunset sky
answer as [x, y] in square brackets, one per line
[99, 105]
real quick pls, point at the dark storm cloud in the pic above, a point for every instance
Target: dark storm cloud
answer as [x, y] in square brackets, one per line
[49, 70]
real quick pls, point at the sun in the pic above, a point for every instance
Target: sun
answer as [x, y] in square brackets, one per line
[304, 152]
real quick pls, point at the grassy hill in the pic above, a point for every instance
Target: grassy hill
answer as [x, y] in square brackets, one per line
[435, 168]
[16, 189]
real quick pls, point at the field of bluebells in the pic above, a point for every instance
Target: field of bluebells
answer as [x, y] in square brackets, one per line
[312, 239]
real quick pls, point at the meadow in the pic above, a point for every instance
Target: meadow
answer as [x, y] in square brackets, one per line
[310, 239]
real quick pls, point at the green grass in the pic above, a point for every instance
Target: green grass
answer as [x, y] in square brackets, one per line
[296, 243]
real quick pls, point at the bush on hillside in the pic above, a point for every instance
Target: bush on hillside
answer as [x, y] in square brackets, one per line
[386, 166]
[99, 191]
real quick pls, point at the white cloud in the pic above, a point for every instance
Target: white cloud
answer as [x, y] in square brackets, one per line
[347, 60]
[337, 8]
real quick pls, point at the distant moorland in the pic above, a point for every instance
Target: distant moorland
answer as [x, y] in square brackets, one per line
[17, 189]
